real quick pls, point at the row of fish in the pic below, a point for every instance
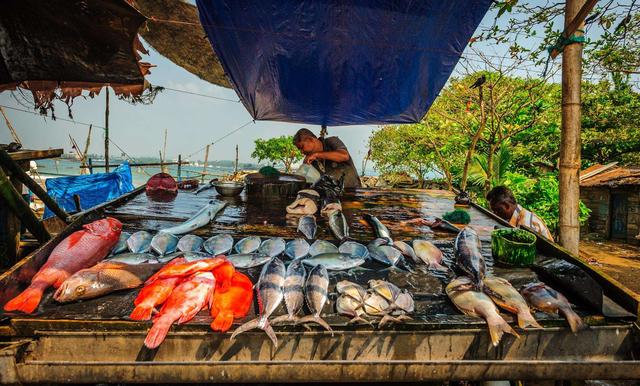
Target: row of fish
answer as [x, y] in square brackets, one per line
[477, 294]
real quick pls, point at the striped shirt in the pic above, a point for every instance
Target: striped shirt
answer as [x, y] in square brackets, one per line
[521, 216]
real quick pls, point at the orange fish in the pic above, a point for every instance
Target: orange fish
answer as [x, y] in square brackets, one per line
[185, 301]
[223, 274]
[187, 268]
[155, 294]
[232, 303]
[82, 249]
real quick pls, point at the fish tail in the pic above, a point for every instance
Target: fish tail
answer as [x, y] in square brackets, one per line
[270, 333]
[157, 333]
[315, 319]
[250, 325]
[497, 328]
[573, 319]
[525, 319]
[283, 318]
[28, 300]
[222, 322]
[141, 312]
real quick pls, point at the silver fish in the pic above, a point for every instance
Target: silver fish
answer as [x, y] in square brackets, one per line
[192, 256]
[248, 260]
[293, 291]
[346, 305]
[164, 243]
[338, 225]
[121, 246]
[508, 298]
[388, 255]
[139, 242]
[428, 254]
[379, 228]
[219, 244]
[134, 258]
[375, 305]
[270, 288]
[272, 247]
[248, 244]
[190, 243]
[198, 220]
[307, 226]
[345, 287]
[316, 290]
[469, 259]
[354, 249]
[297, 248]
[334, 261]
[322, 246]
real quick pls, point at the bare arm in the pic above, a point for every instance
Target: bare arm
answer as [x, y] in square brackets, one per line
[339, 155]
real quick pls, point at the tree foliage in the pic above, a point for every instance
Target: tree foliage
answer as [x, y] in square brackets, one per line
[277, 149]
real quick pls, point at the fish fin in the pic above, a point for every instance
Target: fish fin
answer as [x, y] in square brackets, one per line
[359, 319]
[250, 325]
[497, 328]
[270, 333]
[525, 319]
[387, 319]
[575, 322]
[317, 320]
[141, 313]
[222, 322]
[283, 318]
[28, 300]
[157, 333]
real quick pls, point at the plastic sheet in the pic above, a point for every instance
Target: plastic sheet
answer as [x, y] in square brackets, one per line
[93, 189]
[337, 62]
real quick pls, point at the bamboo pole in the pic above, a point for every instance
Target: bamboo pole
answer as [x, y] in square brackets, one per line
[164, 152]
[179, 167]
[206, 158]
[106, 131]
[14, 134]
[235, 172]
[569, 181]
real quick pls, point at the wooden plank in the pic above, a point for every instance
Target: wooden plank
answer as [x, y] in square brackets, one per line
[28, 155]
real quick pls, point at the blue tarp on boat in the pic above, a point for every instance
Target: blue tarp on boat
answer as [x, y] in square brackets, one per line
[337, 62]
[93, 189]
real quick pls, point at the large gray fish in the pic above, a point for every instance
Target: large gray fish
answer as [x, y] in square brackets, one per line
[462, 293]
[544, 298]
[467, 249]
[272, 247]
[270, 288]
[121, 246]
[334, 261]
[508, 298]
[338, 225]
[248, 260]
[354, 249]
[219, 244]
[198, 220]
[139, 242]
[388, 255]
[164, 243]
[134, 258]
[307, 226]
[293, 291]
[190, 243]
[379, 228]
[248, 244]
[297, 248]
[316, 291]
[407, 251]
[322, 246]
[428, 254]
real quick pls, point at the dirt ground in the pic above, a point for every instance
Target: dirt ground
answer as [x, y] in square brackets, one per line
[621, 261]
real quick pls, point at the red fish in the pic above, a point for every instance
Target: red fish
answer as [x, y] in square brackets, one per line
[185, 301]
[155, 294]
[187, 268]
[223, 274]
[82, 249]
[232, 303]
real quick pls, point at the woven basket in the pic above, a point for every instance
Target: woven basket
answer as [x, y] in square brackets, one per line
[513, 247]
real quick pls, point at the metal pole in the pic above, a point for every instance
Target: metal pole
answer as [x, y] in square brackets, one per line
[568, 222]
[106, 131]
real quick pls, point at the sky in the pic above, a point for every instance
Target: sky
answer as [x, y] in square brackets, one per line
[191, 121]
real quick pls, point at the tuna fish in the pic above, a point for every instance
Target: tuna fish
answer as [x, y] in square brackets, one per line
[270, 289]
[469, 259]
[297, 248]
[338, 225]
[546, 299]
[293, 291]
[428, 254]
[219, 244]
[379, 228]
[248, 244]
[334, 261]
[316, 290]
[190, 243]
[139, 242]
[198, 220]
[272, 247]
[462, 293]
[81, 249]
[509, 299]
[322, 246]
[307, 226]
[164, 243]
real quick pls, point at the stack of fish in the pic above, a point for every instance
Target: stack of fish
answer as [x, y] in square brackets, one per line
[477, 294]
[383, 300]
[183, 288]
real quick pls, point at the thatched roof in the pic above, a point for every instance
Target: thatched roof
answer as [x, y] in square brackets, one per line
[184, 44]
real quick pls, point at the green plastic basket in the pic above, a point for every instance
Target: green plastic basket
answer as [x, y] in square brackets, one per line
[513, 247]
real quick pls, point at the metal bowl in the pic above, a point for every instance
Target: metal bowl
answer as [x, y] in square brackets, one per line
[228, 188]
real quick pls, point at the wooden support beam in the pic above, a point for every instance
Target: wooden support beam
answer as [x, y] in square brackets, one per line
[15, 170]
[106, 130]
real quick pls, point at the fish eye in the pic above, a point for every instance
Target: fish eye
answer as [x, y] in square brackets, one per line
[80, 290]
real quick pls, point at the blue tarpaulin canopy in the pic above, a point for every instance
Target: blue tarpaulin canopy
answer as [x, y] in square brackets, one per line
[339, 62]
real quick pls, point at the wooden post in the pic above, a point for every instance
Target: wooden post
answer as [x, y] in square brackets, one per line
[206, 158]
[568, 221]
[90, 166]
[14, 135]
[164, 151]
[161, 162]
[179, 167]
[106, 131]
[235, 172]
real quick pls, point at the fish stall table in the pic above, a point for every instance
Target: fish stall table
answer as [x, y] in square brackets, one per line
[94, 341]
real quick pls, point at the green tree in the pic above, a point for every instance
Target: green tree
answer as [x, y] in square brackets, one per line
[277, 149]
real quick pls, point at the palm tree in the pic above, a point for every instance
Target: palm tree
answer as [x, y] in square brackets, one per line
[481, 176]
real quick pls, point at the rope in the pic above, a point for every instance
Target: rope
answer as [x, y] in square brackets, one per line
[221, 138]
[202, 95]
